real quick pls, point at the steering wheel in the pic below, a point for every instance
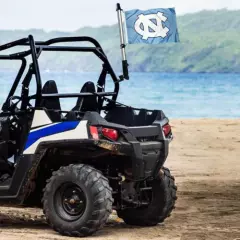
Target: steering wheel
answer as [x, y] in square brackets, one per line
[12, 106]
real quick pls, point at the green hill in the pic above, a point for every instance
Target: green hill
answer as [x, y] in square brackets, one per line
[210, 42]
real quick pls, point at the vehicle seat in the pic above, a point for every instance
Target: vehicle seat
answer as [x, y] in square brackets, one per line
[51, 103]
[85, 104]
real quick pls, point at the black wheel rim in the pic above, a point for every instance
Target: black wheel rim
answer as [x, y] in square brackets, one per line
[70, 202]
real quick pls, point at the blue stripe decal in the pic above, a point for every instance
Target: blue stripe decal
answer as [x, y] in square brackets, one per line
[50, 130]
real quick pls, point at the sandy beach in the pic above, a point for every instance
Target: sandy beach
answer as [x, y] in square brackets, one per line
[205, 160]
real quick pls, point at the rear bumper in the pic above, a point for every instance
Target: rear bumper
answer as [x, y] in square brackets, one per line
[147, 157]
[146, 146]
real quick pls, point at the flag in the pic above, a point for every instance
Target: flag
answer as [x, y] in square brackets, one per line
[152, 26]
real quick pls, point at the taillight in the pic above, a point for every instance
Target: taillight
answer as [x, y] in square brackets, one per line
[166, 129]
[110, 133]
[94, 132]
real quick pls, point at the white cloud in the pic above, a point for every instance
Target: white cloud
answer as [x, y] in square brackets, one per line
[73, 14]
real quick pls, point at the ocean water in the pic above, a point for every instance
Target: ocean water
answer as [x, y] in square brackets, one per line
[178, 95]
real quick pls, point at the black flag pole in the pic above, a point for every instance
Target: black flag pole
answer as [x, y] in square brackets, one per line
[123, 44]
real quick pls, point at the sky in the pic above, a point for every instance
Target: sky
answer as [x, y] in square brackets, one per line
[70, 15]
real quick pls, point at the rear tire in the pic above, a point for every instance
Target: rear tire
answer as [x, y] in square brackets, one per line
[77, 200]
[163, 202]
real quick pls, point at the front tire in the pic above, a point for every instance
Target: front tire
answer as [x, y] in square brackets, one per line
[163, 202]
[77, 200]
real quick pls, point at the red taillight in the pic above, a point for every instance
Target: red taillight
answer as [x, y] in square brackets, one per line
[94, 132]
[166, 129]
[110, 133]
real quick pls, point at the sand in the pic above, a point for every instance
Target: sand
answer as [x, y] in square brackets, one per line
[205, 160]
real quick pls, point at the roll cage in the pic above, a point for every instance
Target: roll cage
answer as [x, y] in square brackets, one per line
[35, 50]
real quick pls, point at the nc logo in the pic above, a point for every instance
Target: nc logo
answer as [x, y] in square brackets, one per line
[157, 30]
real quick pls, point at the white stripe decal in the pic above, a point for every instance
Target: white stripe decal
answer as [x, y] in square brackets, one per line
[40, 118]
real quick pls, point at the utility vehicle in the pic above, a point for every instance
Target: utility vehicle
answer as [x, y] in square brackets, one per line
[82, 163]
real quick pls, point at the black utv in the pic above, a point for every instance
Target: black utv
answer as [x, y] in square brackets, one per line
[78, 165]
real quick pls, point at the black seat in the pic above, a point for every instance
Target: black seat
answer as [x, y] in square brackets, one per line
[51, 104]
[84, 104]
[88, 103]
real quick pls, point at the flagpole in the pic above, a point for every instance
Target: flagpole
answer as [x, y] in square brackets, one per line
[123, 44]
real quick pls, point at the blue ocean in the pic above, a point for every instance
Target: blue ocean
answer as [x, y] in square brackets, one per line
[178, 95]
